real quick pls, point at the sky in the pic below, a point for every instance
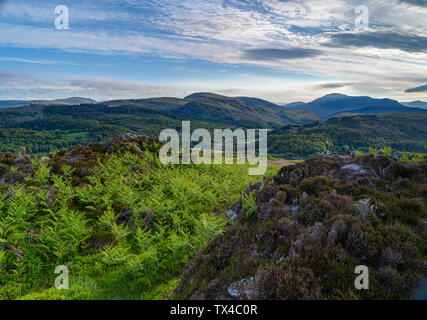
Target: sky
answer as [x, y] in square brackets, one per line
[282, 51]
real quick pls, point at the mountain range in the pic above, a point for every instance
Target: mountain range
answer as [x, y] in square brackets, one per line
[243, 111]
[339, 104]
[298, 130]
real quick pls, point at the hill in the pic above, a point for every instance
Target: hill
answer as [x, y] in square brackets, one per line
[301, 235]
[402, 132]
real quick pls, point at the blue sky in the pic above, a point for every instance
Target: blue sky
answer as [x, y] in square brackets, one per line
[283, 51]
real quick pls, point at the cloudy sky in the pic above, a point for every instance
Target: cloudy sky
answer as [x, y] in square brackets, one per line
[279, 50]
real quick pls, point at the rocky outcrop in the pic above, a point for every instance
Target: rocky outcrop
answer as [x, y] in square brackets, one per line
[313, 223]
[80, 158]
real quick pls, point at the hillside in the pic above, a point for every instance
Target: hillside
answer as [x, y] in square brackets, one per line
[300, 116]
[301, 235]
[128, 227]
[403, 132]
[124, 224]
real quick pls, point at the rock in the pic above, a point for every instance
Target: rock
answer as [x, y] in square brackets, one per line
[231, 215]
[354, 167]
[233, 291]
[254, 251]
[364, 208]
[242, 289]
[291, 208]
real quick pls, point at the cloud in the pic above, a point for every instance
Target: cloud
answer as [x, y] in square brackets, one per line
[19, 85]
[279, 54]
[9, 78]
[103, 87]
[380, 39]
[35, 61]
[243, 36]
[420, 3]
[334, 85]
[417, 89]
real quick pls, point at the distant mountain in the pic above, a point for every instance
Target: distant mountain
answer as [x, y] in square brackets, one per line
[234, 111]
[67, 101]
[295, 104]
[336, 104]
[10, 103]
[415, 104]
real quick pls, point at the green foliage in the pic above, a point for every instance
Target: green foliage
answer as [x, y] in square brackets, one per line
[42, 174]
[402, 132]
[386, 151]
[373, 151]
[249, 204]
[127, 232]
[208, 227]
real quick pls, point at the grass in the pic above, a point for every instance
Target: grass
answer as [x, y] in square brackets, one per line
[81, 136]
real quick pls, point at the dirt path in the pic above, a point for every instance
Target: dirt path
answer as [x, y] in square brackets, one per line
[281, 163]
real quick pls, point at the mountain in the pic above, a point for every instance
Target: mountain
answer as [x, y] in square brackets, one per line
[415, 104]
[205, 106]
[337, 104]
[295, 105]
[66, 101]
[243, 109]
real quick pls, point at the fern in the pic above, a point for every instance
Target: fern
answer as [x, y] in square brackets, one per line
[249, 204]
